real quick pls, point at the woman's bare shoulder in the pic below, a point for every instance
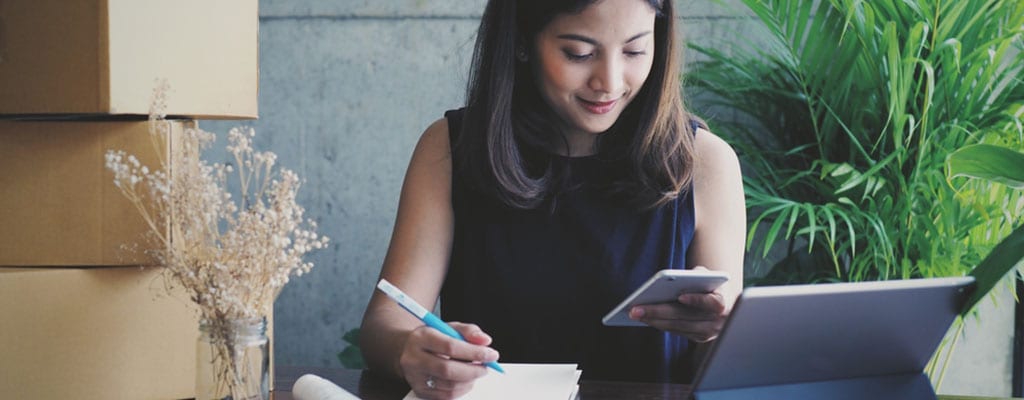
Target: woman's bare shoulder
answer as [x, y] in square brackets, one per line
[434, 141]
[713, 152]
[717, 180]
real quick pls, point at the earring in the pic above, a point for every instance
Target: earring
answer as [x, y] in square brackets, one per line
[521, 54]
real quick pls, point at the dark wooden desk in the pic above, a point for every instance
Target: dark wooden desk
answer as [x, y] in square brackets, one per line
[369, 386]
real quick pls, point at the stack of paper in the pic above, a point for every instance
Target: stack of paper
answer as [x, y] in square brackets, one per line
[525, 381]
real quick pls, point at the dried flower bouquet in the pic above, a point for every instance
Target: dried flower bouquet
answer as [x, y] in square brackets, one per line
[231, 258]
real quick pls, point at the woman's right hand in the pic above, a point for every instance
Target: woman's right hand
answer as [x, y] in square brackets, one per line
[437, 366]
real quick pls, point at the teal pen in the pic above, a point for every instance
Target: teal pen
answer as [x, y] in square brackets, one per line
[427, 317]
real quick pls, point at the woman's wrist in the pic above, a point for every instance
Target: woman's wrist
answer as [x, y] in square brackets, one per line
[396, 361]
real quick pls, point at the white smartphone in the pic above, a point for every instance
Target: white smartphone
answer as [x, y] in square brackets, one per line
[665, 286]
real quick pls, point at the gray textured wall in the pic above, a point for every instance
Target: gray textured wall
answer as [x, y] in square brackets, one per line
[346, 88]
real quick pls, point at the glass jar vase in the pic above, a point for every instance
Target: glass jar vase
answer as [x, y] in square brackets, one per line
[233, 360]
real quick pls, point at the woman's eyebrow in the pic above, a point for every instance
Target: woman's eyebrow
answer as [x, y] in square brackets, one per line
[581, 38]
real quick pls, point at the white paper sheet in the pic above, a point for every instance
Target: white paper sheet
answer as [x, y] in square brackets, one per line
[312, 387]
[524, 381]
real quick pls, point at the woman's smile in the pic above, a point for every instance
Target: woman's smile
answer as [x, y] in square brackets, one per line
[598, 107]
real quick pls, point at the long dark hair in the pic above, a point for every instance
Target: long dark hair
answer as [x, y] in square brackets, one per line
[650, 146]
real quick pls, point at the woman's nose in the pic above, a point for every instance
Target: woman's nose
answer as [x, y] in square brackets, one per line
[607, 76]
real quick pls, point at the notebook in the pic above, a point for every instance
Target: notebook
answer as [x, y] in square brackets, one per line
[865, 340]
[525, 381]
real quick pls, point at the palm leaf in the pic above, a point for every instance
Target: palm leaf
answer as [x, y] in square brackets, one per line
[985, 161]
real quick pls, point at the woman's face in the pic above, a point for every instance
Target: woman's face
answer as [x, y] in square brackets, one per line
[590, 65]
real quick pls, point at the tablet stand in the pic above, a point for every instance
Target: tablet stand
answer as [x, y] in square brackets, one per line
[913, 386]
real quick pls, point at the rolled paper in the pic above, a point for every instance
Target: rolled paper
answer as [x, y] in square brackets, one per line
[312, 387]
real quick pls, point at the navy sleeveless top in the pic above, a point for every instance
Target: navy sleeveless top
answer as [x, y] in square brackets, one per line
[540, 280]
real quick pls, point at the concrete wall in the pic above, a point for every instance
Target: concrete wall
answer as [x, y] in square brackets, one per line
[982, 361]
[346, 88]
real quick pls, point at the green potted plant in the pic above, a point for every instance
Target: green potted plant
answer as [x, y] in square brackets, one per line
[848, 111]
[855, 106]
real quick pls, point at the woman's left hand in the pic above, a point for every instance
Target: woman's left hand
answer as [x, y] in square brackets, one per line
[697, 316]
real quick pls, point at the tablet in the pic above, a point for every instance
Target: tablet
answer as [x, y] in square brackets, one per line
[664, 287]
[863, 340]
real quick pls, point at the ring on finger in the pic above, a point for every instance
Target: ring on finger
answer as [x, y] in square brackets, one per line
[431, 383]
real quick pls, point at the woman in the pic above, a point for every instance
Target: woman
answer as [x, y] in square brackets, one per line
[570, 177]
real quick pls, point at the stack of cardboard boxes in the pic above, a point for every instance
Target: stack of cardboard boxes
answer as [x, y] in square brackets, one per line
[81, 316]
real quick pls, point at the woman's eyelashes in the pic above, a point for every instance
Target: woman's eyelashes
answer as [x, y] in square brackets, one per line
[634, 53]
[581, 56]
[577, 56]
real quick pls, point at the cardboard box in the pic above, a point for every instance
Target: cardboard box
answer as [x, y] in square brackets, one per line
[100, 333]
[59, 205]
[105, 56]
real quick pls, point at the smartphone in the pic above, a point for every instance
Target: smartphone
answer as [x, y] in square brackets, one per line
[665, 286]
